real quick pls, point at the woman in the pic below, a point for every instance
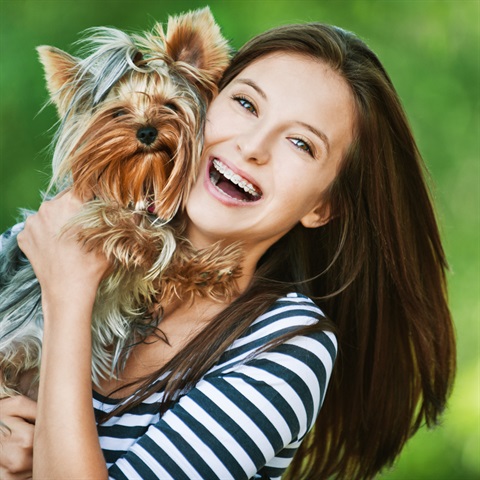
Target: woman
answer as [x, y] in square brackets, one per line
[332, 206]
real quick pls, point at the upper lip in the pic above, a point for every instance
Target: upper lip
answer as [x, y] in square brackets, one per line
[244, 176]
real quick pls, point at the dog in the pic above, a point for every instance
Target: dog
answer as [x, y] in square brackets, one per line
[132, 112]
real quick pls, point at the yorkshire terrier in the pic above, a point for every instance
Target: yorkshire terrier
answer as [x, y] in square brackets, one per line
[132, 113]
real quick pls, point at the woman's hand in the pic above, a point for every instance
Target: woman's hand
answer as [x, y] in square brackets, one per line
[61, 265]
[17, 418]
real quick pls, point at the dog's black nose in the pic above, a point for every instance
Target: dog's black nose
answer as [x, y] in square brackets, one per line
[147, 135]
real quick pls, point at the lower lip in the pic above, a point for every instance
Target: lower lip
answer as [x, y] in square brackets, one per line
[221, 196]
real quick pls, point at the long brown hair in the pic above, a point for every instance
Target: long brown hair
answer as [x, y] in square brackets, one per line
[377, 269]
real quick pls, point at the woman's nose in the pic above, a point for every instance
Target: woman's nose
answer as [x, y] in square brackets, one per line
[255, 145]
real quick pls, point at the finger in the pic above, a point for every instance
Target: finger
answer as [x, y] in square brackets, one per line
[22, 241]
[54, 213]
[16, 451]
[27, 409]
[84, 195]
[19, 406]
[59, 194]
[6, 475]
[73, 199]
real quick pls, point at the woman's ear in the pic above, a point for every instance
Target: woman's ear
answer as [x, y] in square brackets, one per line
[317, 217]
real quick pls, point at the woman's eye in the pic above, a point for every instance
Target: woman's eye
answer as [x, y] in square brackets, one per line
[119, 113]
[246, 104]
[302, 145]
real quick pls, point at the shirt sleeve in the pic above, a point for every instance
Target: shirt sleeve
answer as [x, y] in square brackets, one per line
[233, 423]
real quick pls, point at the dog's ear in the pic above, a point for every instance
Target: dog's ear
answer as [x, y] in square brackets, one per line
[195, 39]
[60, 71]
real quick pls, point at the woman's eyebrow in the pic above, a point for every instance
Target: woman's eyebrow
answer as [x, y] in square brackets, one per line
[316, 132]
[252, 84]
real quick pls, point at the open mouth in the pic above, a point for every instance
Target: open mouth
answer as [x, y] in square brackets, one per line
[232, 184]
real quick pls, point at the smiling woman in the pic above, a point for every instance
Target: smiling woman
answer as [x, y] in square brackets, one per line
[282, 128]
[309, 166]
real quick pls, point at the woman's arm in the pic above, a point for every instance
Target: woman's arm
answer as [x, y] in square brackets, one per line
[66, 442]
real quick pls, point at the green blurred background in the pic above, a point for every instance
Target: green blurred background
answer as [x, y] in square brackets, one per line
[432, 52]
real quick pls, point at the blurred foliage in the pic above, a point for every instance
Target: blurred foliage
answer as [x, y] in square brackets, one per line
[431, 50]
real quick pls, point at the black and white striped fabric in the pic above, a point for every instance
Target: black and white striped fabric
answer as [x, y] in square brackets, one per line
[244, 419]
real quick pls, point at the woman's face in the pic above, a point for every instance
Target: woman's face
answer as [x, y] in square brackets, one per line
[274, 139]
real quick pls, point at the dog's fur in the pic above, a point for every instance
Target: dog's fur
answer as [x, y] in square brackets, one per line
[131, 122]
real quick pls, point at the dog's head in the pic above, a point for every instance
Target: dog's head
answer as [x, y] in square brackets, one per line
[132, 111]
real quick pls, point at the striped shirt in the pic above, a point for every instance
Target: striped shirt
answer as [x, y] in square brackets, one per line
[244, 419]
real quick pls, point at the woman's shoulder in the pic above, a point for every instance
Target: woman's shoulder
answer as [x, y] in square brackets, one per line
[295, 303]
[295, 318]
[289, 313]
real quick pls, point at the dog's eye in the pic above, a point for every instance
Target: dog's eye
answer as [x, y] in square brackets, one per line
[171, 106]
[119, 113]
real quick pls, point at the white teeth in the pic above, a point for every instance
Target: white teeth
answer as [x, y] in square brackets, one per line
[235, 178]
